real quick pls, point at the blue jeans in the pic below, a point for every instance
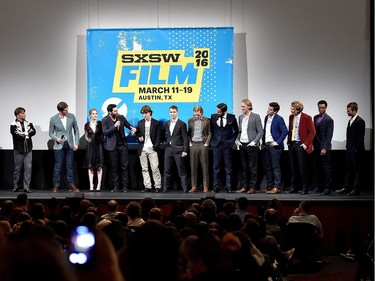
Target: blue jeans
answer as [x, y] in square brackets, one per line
[67, 153]
[272, 157]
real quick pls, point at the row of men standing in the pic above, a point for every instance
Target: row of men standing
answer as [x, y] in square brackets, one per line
[221, 132]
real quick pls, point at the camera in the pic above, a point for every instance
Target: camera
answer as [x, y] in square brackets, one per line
[82, 245]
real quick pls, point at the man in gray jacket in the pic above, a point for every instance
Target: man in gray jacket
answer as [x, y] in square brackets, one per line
[248, 139]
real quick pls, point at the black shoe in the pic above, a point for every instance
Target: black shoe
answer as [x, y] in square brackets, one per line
[125, 190]
[14, 190]
[229, 191]
[293, 190]
[146, 190]
[157, 190]
[27, 190]
[326, 192]
[185, 190]
[164, 191]
[304, 191]
[114, 190]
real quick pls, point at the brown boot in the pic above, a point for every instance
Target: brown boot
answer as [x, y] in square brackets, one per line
[193, 189]
[73, 189]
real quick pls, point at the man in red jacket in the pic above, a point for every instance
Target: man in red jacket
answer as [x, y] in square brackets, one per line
[300, 139]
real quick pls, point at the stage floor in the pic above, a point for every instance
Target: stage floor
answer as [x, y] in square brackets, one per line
[169, 197]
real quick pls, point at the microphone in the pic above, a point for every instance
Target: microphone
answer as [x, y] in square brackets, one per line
[118, 127]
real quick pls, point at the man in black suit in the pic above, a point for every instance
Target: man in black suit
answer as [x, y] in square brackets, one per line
[224, 129]
[324, 126]
[355, 147]
[176, 143]
[116, 145]
[148, 133]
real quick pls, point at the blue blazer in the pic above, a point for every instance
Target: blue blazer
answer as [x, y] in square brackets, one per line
[56, 130]
[226, 135]
[279, 131]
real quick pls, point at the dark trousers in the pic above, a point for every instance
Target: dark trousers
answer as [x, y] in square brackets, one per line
[322, 170]
[249, 161]
[298, 166]
[219, 152]
[65, 152]
[352, 169]
[271, 160]
[169, 159]
[119, 156]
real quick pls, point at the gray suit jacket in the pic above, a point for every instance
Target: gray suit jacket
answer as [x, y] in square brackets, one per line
[56, 130]
[254, 128]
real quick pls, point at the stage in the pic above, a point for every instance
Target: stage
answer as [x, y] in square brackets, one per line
[260, 198]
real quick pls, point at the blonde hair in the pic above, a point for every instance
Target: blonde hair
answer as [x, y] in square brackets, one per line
[248, 103]
[297, 105]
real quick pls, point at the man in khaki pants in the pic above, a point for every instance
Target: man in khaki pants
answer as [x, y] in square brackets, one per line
[199, 132]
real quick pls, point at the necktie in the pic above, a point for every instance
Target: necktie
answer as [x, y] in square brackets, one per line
[221, 122]
[294, 127]
[350, 121]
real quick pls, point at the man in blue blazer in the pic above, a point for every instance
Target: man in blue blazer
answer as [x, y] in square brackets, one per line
[322, 149]
[275, 132]
[63, 130]
[176, 144]
[224, 130]
[116, 145]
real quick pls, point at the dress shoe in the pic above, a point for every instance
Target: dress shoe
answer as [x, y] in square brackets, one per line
[193, 189]
[305, 191]
[241, 190]
[114, 190]
[125, 190]
[205, 189]
[73, 189]
[342, 190]
[185, 190]
[315, 190]
[157, 190]
[293, 190]
[27, 190]
[274, 190]
[229, 191]
[326, 192]
[251, 191]
[146, 190]
[55, 189]
[215, 190]
[164, 190]
[353, 192]
[14, 190]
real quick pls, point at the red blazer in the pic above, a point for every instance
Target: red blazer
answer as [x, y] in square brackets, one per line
[306, 130]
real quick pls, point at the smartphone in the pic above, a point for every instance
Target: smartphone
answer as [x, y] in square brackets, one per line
[82, 245]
